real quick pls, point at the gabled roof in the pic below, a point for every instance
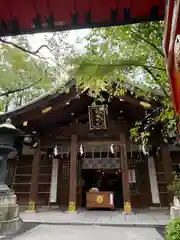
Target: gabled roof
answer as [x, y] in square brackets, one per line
[41, 101]
[31, 16]
[33, 108]
[60, 108]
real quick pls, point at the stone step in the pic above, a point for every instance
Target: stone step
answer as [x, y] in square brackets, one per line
[8, 200]
[9, 212]
[10, 222]
[174, 212]
[11, 226]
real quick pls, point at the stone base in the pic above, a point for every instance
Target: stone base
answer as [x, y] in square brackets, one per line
[10, 221]
[9, 212]
[5, 190]
[174, 212]
[11, 226]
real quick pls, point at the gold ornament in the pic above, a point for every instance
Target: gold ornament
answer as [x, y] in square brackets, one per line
[127, 207]
[31, 206]
[72, 206]
[100, 199]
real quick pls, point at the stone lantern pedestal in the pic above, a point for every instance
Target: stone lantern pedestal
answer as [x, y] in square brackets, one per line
[175, 209]
[9, 211]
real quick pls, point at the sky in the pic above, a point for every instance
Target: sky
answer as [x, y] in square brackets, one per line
[36, 40]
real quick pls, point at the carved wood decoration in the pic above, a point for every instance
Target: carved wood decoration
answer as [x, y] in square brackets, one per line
[97, 117]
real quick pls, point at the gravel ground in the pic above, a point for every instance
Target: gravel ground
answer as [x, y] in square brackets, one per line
[24, 232]
[69, 232]
[25, 228]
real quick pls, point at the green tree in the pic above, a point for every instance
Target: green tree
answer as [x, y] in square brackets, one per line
[128, 55]
[26, 73]
[23, 76]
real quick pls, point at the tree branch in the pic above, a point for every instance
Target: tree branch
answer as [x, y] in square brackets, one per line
[23, 49]
[20, 89]
[137, 64]
[157, 81]
[133, 63]
[126, 63]
[148, 42]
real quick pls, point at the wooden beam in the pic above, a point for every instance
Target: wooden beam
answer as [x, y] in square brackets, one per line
[34, 180]
[125, 178]
[51, 144]
[83, 130]
[34, 111]
[73, 174]
[130, 100]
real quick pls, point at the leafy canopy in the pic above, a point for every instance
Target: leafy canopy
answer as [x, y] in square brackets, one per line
[129, 55]
[22, 76]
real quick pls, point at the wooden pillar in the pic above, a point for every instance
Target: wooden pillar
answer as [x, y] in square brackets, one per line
[125, 178]
[167, 163]
[73, 174]
[34, 180]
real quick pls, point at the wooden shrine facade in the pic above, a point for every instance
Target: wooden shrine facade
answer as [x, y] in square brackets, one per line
[78, 138]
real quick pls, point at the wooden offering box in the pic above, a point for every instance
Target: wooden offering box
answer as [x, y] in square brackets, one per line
[99, 200]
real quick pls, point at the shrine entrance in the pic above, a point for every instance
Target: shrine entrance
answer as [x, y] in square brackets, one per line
[101, 169]
[63, 182]
[106, 181]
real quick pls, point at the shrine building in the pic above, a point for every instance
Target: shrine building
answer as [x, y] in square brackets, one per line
[84, 156]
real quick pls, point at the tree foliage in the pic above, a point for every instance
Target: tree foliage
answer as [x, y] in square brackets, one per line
[172, 230]
[25, 73]
[132, 55]
[22, 77]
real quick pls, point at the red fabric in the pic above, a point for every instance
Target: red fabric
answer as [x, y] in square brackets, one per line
[5, 13]
[174, 75]
[161, 7]
[42, 9]
[140, 8]
[175, 90]
[178, 130]
[122, 5]
[24, 12]
[101, 10]
[168, 20]
[83, 8]
[62, 10]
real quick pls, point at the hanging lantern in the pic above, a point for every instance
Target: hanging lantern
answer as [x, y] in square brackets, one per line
[145, 150]
[81, 150]
[97, 117]
[55, 151]
[112, 149]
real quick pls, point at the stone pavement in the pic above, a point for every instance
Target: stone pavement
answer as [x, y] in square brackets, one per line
[51, 232]
[146, 218]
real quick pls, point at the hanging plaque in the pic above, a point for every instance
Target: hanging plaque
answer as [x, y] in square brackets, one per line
[97, 117]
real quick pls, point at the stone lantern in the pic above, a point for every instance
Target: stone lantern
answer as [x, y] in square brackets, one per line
[9, 210]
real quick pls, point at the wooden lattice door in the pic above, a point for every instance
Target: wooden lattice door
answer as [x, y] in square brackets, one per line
[63, 189]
